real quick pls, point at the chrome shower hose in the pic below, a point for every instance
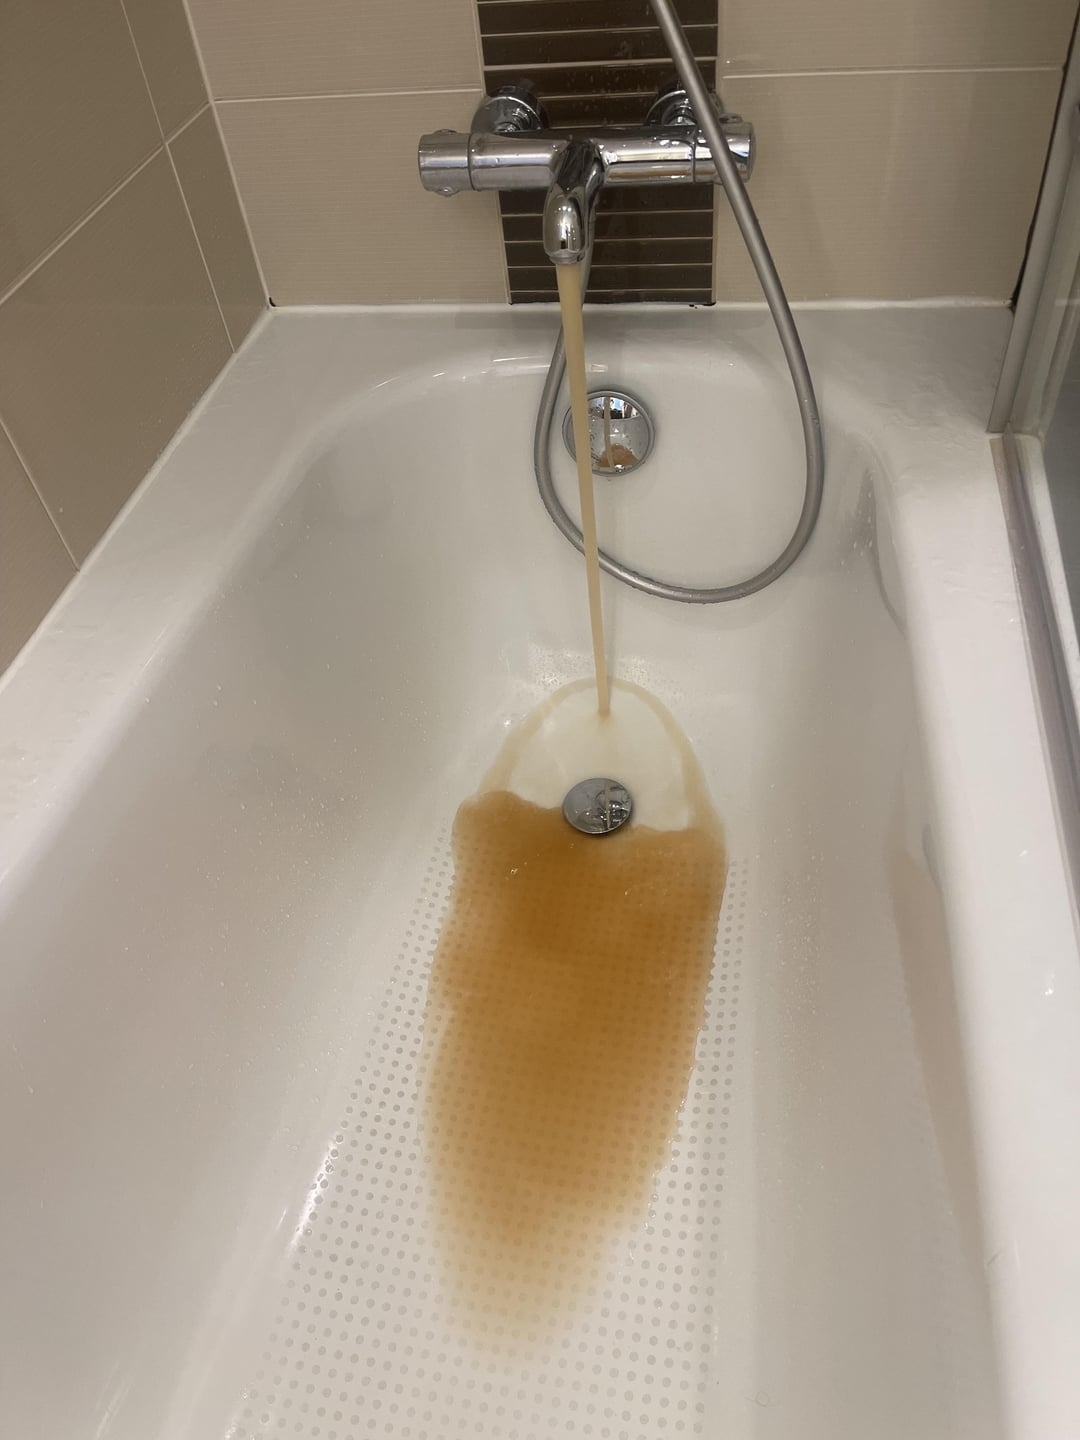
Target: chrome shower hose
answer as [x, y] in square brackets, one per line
[758, 250]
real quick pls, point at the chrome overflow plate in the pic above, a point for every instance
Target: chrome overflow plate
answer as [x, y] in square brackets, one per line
[621, 434]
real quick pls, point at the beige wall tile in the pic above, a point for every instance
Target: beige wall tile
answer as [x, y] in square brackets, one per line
[34, 566]
[337, 220]
[793, 35]
[75, 118]
[322, 47]
[215, 211]
[891, 186]
[167, 52]
[105, 348]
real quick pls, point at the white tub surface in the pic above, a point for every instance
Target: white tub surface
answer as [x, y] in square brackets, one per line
[228, 764]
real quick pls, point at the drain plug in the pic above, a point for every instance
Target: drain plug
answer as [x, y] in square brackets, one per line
[621, 432]
[598, 806]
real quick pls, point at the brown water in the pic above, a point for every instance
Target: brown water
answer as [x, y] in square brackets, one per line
[566, 995]
[565, 1000]
[570, 300]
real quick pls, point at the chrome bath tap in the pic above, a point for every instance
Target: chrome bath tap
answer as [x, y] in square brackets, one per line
[686, 137]
[510, 147]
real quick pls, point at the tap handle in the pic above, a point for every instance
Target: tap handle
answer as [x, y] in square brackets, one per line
[512, 110]
[672, 106]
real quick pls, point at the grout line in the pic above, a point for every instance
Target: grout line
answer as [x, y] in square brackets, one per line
[682, 210]
[478, 41]
[199, 246]
[720, 80]
[620, 245]
[242, 205]
[176, 173]
[37, 491]
[142, 68]
[504, 265]
[483, 5]
[214, 109]
[179, 130]
[489, 308]
[600, 29]
[543, 65]
[189, 121]
[73, 230]
[715, 286]
[693, 294]
[476, 90]
[612, 263]
[728, 75]
[146, 81]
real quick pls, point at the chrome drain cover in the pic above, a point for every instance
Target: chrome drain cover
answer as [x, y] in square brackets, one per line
[621, 433]
[598, 806]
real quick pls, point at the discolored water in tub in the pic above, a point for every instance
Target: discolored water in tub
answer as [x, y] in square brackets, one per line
[565, 999]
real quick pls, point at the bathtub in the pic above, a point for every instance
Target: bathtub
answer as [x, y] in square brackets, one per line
[229, 761]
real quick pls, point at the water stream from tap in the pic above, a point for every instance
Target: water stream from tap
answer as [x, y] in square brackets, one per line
[571, 299]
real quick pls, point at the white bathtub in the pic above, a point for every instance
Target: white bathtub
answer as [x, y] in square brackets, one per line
[228, 762]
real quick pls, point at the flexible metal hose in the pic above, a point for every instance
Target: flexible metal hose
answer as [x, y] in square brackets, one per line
[758, 250]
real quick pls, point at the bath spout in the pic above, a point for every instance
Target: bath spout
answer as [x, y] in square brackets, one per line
[571, 203]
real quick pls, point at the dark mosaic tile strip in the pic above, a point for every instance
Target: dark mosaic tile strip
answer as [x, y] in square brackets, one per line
[511, 17]
[560, 47]
[599, 62]
[541, 278]
[624, 225]
[594, 78]
[657, 250]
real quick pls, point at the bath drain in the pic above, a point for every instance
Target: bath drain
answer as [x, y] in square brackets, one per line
[621, 434]
[598, 806]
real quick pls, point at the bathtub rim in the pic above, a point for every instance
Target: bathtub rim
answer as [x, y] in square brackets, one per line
[998, 919]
